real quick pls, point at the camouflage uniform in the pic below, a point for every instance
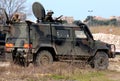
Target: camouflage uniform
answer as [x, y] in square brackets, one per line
[48, 17]
[16, 18]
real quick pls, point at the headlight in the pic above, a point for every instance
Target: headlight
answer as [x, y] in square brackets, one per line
[113, 48]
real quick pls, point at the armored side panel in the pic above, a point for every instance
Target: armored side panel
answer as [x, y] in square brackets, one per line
[42, 35]
[70, 40]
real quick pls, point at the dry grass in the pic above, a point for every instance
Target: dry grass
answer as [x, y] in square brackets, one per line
[106, 29]
[56, 72]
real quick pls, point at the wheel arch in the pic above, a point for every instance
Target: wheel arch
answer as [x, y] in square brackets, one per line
[98, 50]
[50, 49]
[101, 50]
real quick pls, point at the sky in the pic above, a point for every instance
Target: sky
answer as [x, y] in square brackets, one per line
[79, 9]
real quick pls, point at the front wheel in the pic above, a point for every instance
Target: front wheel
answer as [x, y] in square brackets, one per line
[101, 61]
[44, 58]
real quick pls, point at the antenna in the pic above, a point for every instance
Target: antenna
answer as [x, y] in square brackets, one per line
[38, 11]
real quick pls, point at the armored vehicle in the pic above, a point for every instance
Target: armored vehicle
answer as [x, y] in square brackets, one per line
[48, 40]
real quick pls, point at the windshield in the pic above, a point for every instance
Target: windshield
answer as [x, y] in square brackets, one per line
[80, 34]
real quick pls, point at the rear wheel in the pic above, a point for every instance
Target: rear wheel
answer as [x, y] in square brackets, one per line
[44, 58]
[101, 61]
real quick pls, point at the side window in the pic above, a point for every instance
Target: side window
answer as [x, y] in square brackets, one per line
[63, 33]
[80, 34]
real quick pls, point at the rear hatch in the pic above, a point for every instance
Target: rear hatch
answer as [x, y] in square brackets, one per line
[17, 37]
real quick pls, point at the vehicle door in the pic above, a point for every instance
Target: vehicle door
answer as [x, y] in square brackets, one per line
[63, 40]
[81, 42]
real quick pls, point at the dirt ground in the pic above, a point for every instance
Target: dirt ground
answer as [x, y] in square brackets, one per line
[115, 64]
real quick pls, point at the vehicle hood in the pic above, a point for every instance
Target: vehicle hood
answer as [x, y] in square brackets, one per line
[101, 45]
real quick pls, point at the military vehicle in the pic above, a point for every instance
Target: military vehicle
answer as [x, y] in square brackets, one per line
[50, 40]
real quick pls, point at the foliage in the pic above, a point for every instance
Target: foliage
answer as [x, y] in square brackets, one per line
[95, 22]
[12, 6]
[57, 77]
[77, 22]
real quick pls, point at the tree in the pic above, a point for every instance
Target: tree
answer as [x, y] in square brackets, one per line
[113, 22]
[12, 6]
[89, 18]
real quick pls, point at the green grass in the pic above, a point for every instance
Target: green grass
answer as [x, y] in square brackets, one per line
[84, 75]
[57, 77]
[91, 76]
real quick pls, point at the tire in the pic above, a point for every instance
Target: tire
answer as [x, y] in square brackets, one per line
[44, 58]
[101, 61]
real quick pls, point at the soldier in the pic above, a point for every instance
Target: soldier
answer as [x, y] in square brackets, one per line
[16, 18]
[49, 16]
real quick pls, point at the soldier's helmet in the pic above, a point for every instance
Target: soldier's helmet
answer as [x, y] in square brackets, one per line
[16, 18]
[50, 12]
